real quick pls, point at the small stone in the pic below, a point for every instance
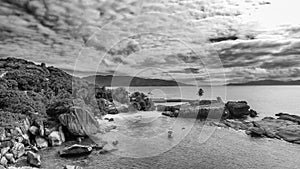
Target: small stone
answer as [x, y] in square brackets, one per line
[41, 142]
[18, 150]
[33, 159]
[3, 161]
[2, 134]
[61, 133]
[34, 130]
[10, 158]
[72, 167]
[55, 138]
[4, 150]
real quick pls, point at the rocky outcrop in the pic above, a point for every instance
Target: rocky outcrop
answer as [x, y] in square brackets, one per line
[289, 117]
[285, 127]
[79, 122]
[141, 102]
[238, 109]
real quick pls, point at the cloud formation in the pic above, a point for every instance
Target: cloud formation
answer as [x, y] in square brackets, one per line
[190, 39]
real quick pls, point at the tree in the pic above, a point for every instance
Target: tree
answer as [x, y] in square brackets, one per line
[200, 92]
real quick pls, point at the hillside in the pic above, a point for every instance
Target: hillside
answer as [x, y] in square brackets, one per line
[111, 80]
[266, 82]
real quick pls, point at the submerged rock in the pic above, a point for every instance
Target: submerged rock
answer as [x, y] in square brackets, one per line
[79, 122]
[75, 150]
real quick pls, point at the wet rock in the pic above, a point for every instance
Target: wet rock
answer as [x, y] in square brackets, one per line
[75, 150]
[41, 142]
[34, 130]
[18, 150]
[33, 159]
[238, 109]
[79, 122]
[3, 161]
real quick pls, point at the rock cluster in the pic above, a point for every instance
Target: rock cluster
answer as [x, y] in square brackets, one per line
[285, 127]
[27, 139]
[141, 101]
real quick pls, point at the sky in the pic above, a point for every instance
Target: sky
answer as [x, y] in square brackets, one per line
[191, 41]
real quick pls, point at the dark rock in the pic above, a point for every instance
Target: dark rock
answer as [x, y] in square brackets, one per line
[79, 122]
[34, 130]
[252, 113]
[256, 132]
[75, 150]
[238, 109]
[289, 117]
[33, 159]
[141, 101]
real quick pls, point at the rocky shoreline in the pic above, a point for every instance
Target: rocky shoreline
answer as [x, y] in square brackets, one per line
[236, 115]
[43, 107]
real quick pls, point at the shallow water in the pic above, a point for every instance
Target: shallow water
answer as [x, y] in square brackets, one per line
[200, 147]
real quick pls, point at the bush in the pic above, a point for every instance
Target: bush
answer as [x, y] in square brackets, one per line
[20, 102]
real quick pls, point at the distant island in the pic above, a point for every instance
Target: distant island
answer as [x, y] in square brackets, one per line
[110, 80]
[266, 82]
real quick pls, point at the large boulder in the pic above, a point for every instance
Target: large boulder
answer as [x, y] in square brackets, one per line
[238, 109]
[79, 122]
[75, 150]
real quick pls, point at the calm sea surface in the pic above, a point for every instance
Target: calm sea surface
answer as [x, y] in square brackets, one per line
[143, 140]
[267, 100]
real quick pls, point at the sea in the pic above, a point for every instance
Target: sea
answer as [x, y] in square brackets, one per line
[152, 141]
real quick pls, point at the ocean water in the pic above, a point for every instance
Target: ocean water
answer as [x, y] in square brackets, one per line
[144, 142]
[266, 100]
